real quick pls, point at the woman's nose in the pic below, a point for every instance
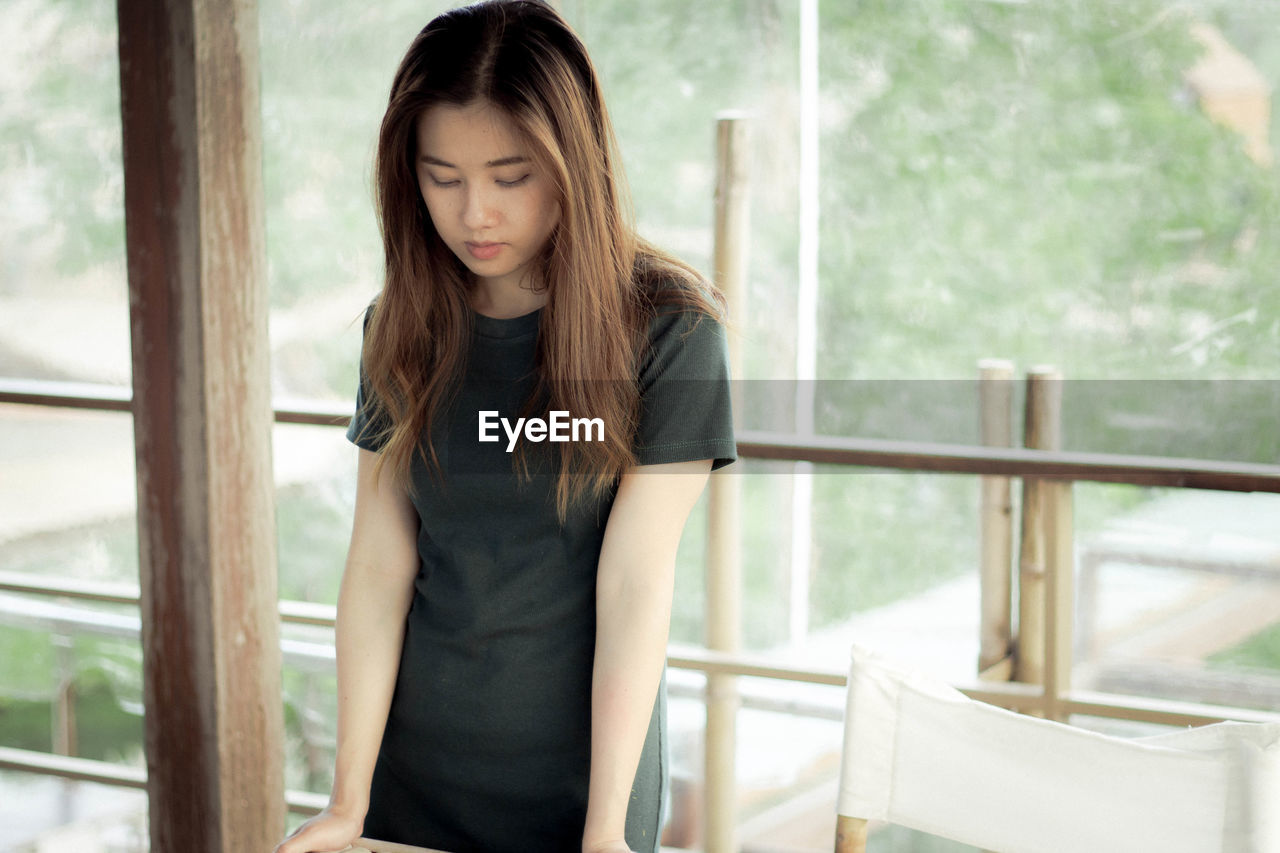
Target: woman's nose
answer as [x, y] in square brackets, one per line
[480, 211]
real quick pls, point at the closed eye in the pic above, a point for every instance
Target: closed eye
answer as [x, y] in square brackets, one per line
[517, 182]
[439, 183]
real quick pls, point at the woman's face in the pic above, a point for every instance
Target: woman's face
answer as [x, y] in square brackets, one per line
[489, 200]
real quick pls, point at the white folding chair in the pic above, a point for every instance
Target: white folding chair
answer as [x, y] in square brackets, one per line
[920, 754]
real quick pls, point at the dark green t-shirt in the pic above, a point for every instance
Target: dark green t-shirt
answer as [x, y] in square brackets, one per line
[487, 746]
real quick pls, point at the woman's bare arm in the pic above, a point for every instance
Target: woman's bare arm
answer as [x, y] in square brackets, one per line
[377, 587]
[633, 617]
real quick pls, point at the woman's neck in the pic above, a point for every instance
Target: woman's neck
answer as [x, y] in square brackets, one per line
[505, 303]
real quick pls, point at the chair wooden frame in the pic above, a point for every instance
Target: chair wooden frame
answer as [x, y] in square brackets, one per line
[851, 834]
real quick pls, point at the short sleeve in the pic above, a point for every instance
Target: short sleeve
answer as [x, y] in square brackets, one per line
[685, 408]
[368, 429]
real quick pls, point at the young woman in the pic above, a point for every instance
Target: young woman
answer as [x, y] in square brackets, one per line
[503, 615]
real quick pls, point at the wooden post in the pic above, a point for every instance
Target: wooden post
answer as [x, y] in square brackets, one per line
[1042, 431]
[724, 559]
[202, 423]
[995, 392]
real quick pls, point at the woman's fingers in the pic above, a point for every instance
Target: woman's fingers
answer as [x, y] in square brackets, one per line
[324, 833]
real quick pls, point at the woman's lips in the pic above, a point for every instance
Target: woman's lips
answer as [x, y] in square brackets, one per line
[484, 251]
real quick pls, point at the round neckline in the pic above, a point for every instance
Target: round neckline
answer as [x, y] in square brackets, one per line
[510, 327]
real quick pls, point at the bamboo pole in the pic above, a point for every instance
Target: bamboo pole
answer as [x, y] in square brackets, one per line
[1042, 431]
[724, 561]
[995, 393]
[1059, 610]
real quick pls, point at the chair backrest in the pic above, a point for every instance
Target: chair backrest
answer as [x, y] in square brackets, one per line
[920, 754]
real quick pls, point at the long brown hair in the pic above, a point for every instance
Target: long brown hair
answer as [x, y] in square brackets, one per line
[604, 284]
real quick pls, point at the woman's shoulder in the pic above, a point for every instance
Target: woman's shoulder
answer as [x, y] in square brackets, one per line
[685, 325]
[675, 294]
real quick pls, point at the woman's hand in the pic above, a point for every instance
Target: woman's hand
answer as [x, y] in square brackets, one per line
[327, 832]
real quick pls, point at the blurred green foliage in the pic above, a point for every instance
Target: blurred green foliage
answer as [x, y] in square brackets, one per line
[1260, 651]
[1035, 182]
[60, 173]
[107, 703]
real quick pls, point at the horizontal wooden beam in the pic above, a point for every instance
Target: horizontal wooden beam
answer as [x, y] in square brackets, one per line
[737, 663]
[1165, 471]
[66, 395]
[119, 398]
[78, 769]
[119, 775]
[291, 612]
[1159, 711]
[76, 589]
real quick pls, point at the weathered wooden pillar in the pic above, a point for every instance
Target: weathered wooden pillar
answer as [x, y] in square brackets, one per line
[202, 423]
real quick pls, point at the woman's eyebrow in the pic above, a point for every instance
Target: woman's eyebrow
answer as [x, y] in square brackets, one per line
[492, 164]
